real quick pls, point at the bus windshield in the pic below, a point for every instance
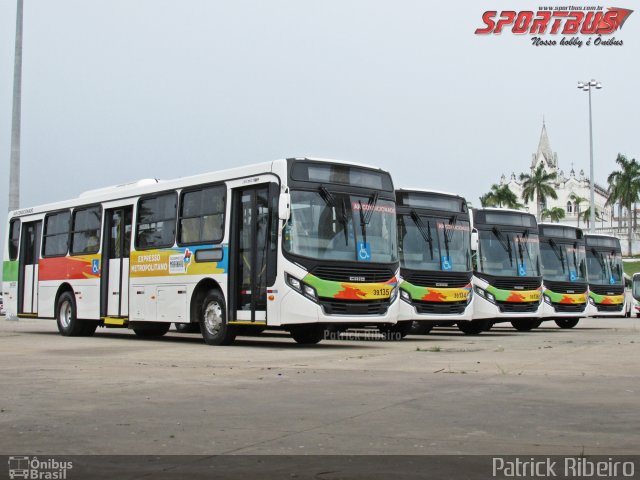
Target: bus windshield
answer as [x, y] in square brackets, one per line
[508, 253]
[563, 262]
[434, 243]
[339, 226]
[604, 267]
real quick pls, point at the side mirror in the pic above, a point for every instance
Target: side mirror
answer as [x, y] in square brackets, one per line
[284, 206]
[474, 240]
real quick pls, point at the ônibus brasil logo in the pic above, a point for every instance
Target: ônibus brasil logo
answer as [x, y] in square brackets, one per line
[591, 21]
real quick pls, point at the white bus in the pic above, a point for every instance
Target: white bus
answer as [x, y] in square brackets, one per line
[507, 278]
[605, 275]
[297, 244]
[434, 235]
[564, 274]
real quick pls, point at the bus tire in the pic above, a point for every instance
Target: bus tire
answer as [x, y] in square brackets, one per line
[525, 324]
[151, 329]
[68, 324]
[474, 327]
[213, 320]
[420, 328]
[307, 334]
[397, 331]
[187, 327]
[567, 322]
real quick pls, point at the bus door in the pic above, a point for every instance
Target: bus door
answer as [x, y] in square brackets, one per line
[28, 271]
[114, 279]
[252, 253]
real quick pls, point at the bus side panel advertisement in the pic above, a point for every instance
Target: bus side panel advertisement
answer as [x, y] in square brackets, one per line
[351, 291]
[430, 294]
[176, 261]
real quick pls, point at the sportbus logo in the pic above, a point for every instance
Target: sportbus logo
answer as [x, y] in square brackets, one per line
[588, 25]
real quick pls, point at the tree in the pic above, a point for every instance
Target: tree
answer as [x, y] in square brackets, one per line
[500, 196]
[624, 187]
[577, 199]
[555, 214]
[538, 186]
[586, 216]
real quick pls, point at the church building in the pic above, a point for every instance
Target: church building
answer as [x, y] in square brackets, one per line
[565, 185]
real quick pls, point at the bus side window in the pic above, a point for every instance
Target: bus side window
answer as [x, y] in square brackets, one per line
[156, 225]
[14, 238]
[201, 217]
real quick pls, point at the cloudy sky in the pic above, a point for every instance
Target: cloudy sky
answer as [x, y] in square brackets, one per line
[115, 90]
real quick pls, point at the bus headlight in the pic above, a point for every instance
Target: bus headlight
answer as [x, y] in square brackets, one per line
[404, 295]
[484, 294]
[469, 297]
[480, 292]
[302, 288]
[491, 298]
[394, 294]
[592, 302]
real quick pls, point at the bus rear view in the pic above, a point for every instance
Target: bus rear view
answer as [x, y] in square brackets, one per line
[507, 279]
[435, 259]
[605, 276]
[564, 273]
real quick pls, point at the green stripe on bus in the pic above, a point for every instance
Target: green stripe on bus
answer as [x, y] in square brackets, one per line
[10, 271]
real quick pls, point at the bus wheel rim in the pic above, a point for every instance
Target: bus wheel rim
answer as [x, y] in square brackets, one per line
[65, 314]
[213, 318]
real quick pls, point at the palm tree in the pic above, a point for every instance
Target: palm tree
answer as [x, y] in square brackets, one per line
[624, 187]
[577, 199]
[586, 216]
[555, 214]
[500, 196]
[538, 186]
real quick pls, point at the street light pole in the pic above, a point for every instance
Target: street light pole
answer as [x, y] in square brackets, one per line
[14, 162]
[586, 86]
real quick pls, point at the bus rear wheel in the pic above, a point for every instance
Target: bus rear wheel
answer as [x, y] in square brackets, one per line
[567, 322]
[307, 334]
[474, 327]
[525, 325]
[213, 321]
[66, 318]
[151, 329]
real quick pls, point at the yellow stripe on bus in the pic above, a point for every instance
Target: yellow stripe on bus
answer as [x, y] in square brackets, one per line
[115, 321]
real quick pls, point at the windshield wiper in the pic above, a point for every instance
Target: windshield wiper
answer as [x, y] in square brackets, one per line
[506, 244]
[424, 231]
[330, 200]
[365, 217]
[555, 248]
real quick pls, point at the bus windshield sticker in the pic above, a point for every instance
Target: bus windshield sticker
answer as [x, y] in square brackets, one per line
[364, 251]
[522, 270]
[446, 263]
[573, 276]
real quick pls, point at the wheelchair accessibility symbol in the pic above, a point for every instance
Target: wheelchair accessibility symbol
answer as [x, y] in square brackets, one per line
[573, 276]
[522, 270]
[364, 251]
[446, 263]
[95, 266]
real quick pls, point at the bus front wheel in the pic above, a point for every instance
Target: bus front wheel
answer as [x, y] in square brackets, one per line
[307, 334]
[66, 318]
[474, 327]
[213, 321]
[420, 328]
[525, 325]
[567, 322]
